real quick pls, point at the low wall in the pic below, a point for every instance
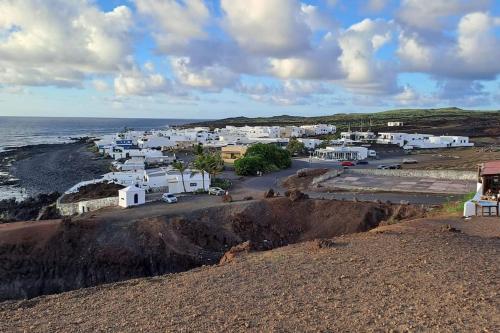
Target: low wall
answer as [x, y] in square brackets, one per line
[73, 208]
[436, 174]
[329, 175]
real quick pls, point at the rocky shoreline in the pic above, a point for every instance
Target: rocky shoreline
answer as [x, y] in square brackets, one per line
[48, 168]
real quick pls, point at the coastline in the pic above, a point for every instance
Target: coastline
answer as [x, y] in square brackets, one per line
[45, 168]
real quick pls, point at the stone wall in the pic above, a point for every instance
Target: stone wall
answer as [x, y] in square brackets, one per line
[329, 175]
[435, 174]
[68, 209]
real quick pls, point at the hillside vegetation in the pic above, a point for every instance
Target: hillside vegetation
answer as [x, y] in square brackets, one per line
[452, 121]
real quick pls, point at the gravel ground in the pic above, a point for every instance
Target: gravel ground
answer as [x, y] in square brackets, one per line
[418, 276]
[55, 167]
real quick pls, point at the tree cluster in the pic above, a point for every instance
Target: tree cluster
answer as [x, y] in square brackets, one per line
[262, 158]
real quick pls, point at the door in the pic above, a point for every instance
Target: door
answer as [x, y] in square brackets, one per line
[136, 199]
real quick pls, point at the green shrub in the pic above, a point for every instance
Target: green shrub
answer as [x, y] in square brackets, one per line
[270, 154]
[249, 165]
[224, 184]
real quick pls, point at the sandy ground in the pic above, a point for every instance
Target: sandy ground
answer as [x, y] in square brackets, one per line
[416, 276]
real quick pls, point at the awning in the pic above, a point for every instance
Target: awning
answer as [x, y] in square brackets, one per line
[490, 168]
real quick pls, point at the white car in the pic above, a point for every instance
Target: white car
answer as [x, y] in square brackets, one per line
[169, 198]
[216, 191]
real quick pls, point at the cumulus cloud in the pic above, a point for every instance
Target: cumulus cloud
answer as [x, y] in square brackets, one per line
[286, 93]
[435, 15]
[210, 78]
[364, 73]
[473, 54]
[44, 46]
[210, 46]
[138, 83]
[270, 27]
[175, 22]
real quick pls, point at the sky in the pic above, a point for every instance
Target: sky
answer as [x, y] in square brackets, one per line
[206, 59]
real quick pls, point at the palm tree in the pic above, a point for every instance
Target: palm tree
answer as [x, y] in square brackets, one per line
[181, 167]
[201, 163]
[215, 164]
[198, 149]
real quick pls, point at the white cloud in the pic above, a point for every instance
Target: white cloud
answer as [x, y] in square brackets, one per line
[268, 27]
[175, 22]
[209, 78]
[287, 93]
[435, 14]
[473, 54]
[364, 73]
[135, 82]
[316, 18]
[44, 46]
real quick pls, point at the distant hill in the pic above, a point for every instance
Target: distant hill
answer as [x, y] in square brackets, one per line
[451, 121]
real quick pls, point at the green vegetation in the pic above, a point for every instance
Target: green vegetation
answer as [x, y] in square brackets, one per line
[181, 167]
[457, 207]
[224, 184]
[262, 158]
[210, 163]
[295, 147]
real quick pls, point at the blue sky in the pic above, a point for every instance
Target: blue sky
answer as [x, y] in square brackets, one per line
[222, 58]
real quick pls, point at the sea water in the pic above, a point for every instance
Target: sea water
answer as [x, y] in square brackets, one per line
[23, 131]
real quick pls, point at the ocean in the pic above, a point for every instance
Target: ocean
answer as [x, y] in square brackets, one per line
[22, 131]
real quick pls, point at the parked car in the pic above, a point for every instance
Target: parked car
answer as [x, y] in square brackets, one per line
[391, 166]
[347, 164]
[169, 198]
[362, 162]
[395, 166]
[216, 191]
[409, 161]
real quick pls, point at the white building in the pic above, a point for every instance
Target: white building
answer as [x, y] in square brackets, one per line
[355, 136]
[310, 143]
[395, 124]
[193, 181]
[135, 163]
[343, 153]
[423, 141]
[131, 196]
[319, 129]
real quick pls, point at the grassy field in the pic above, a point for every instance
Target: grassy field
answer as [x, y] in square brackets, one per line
[451, 121]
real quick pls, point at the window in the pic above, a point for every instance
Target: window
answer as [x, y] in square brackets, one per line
[193, 184]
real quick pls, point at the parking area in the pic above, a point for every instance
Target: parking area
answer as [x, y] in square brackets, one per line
[400, 184]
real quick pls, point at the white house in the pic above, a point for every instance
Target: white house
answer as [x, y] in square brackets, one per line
[310, 143]
[395, 124]
[319, 129]
[355, 136]
[135, 163]
[343, 153]
[131, 196]
[423, 141]
[193, 181]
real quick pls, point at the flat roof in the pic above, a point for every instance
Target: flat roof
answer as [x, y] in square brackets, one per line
[490, 168]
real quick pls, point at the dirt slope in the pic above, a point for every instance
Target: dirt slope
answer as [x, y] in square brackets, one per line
[59, 256]
[416, 276]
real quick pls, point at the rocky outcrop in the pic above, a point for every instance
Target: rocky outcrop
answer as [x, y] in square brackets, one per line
[54, 256]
